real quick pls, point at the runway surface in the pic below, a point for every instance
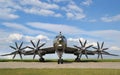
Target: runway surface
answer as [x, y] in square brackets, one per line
[107, 65]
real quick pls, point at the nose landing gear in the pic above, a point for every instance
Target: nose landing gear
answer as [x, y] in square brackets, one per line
[60, 61]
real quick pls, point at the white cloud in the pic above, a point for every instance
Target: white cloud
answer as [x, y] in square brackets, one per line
[58, 15]
[87, 2]
[20, 37]
[40, 8]
[115, 48]
[8, 9]
[57, 1]
[9, 4]
[15, 36]
[111, 19]
[21, 28]
[42, 12]
[55, 27]
[40, 4]
[69, 15]
[73, 11]
[76, 39]
[73, 39]
[41, 37]
[7, 13]
[83, 40]
[106, 34]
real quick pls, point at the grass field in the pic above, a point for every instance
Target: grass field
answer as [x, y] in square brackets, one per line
[59, 71]
[55, 60]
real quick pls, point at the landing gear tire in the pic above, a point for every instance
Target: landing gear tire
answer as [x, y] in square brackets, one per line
[60, 61]
[77, 60]
[42, 60]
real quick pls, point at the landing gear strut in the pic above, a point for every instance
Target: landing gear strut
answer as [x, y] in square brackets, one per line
[77, 60]
[42, 60]
[60, 61]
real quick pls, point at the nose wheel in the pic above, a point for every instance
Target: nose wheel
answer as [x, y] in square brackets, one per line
[60, 61]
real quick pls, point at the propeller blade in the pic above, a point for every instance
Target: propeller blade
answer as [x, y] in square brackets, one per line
[88, 46]
[101, 56]
[94, 47]
[8, 54]
[98, 45]
[38, 42]
[14, 55]
[23, 48]
[106, 53]
[113, 54]
[86, 55]
[16, 44]
[81, 42]
[105, 48]
[98, 55]
[102, 45]
[20, 45]
[80, 55]
[13, 47]
[32, 43]
[85, 43]
[20, 55]
[34, 56]
[30, 47]
[77, 47]
[41, 45]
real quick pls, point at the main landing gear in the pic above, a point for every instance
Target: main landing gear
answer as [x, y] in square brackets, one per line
[77, 60]
[42, 60]
[60, 61]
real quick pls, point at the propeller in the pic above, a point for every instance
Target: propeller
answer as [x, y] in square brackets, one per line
[36, 48]
[100, 50]
[83, 49]
[18, 50]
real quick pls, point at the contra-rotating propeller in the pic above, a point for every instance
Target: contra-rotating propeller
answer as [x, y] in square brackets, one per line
[83, 49]
[36, 48]
[18, 50]
[100, 50]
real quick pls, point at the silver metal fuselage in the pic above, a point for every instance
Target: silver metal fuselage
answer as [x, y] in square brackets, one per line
[60, 43]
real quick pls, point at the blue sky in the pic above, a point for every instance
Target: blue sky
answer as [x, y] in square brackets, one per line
[92, 20]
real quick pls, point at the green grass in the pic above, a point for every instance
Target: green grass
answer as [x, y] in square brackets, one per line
[65, 60]
[59, 71]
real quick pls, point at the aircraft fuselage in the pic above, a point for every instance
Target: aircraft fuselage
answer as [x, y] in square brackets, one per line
[60, 44]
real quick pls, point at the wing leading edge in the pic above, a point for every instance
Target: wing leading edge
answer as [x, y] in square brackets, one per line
[75, 51]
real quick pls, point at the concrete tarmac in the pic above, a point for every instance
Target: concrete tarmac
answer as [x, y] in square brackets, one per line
[41, 65]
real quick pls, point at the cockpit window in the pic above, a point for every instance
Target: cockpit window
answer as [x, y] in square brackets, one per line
[60, 39]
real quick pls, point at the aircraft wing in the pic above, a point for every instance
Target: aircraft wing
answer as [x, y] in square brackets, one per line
[89, 52]
[70, 50]
[75, 51]
[106, 53]
[8, 54]
[48, 50]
